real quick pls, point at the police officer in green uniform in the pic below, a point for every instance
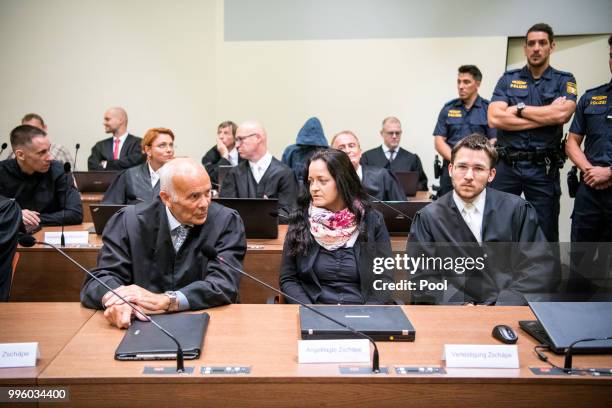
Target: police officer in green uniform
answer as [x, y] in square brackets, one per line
[528, 108]
[459, 118]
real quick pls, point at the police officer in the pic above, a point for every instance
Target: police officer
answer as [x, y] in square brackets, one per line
[459, 118]
[593, 205]
[528, 108]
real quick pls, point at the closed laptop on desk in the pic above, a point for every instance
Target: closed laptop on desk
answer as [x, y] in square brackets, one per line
[101, 213]
[382, 323]
[398, 215]
[260, 215]
[562, 323]
[409, 180]
[94, 181]
[144, 341]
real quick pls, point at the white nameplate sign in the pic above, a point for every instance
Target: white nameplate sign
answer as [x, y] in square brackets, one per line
[18, 354]
[71, 237]
[481, 356]
[333, 351]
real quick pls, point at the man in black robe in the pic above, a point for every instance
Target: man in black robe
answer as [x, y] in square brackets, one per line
[224, 153]
[44, 191]
[152, 252]
[10, 222]
[260, 175]
[378, 182]
[499, 231]
[393, 157]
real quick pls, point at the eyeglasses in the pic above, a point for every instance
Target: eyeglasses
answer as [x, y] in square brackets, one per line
[477, 170]
[240, 139]
[398, 133]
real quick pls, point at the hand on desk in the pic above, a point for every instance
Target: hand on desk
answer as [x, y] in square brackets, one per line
[120, 314]
[30, 217]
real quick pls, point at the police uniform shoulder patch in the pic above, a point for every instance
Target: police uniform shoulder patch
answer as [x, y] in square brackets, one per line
[518, 84]
[571, 88]
[598, 100]
[454, 113]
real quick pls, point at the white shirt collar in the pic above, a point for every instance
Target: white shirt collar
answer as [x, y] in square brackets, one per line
[478, 203]
[387, 150]
[360, 172]
[258, 169]
[172, 222]
[233, 156]
[154, 175]
[122, 138]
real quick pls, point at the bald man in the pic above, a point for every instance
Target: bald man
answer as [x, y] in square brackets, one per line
[119, 152]
[152, 252]
[260, 175]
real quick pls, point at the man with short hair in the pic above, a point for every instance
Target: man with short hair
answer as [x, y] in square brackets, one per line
[378, 182]
[224, 153]
[528, 108]
[459, 118]
[393, 157]
[119, 152]
[260, 175]
[498, 228]
[44, 191]
[152, 252]
[58, 152]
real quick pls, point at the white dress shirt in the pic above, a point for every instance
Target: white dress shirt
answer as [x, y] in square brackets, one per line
[387, 152]
[121, 142]
[360, 172]
[154, 175]
[233, 157]
[258, 169]
[472, 213]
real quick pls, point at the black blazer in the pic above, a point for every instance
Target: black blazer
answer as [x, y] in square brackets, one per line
[132, 186]
[298, 279]
[403, 161]
[131, 154]
[137, 249]
[518, 259]
[211, 162]
[10, 224]
[382, 184]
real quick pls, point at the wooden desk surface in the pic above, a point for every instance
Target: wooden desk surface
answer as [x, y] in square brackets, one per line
[52, 325]
[265, 338]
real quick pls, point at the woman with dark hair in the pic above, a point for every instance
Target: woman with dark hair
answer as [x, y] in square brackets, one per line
[333, 237]
[141, 183]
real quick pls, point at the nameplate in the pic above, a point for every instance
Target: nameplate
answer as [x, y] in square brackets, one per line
[18, 354]
[333, 351]
[71, 237]
[481, 356]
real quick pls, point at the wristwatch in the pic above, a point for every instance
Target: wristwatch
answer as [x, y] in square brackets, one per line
[519, 109]
[173, 305]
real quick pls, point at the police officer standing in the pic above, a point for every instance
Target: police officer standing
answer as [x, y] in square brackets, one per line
[460, 118]
[593, 205]
[528, 108]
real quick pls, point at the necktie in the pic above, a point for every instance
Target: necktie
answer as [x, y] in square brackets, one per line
[116, 149]
[180, 236]
[391, 155]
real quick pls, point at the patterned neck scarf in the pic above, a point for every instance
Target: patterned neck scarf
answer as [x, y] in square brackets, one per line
[332, 230]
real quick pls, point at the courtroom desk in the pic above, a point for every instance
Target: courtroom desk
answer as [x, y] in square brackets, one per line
[88, 199]
[43, 275]
[52, 325]
[265, 337]
[420, 196]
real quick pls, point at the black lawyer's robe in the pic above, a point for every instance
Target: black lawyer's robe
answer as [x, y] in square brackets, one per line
[211, 162]
[403, 161]
[132, 186]
[277, 182]
[137, 249]
[518, 259]
[382, 184]
[10, 223]
[130, 155]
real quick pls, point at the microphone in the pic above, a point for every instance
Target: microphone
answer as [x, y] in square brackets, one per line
[3, 148]
[66, 172]
[211, 253]
[567, 365]
[76, 152]
[29, 241]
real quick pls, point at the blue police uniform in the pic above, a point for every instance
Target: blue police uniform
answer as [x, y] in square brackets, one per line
[456, 122]
[592, 215]
[530, 159]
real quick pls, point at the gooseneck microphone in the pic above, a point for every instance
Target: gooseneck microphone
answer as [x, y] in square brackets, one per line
[76, 152]
[3, 148]
[567, 365]
[29, 241]
[211, 253]
[67, 174]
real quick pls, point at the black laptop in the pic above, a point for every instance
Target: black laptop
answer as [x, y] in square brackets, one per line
[381, 323]
[101, 213]
[409, 180]
[144, 341]
[398, 215]
[559, 324]
[260, 215]
[94, 181]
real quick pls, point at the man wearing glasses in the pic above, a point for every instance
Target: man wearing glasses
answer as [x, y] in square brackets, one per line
[498, 231]
[260, 175]
[391, 156]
